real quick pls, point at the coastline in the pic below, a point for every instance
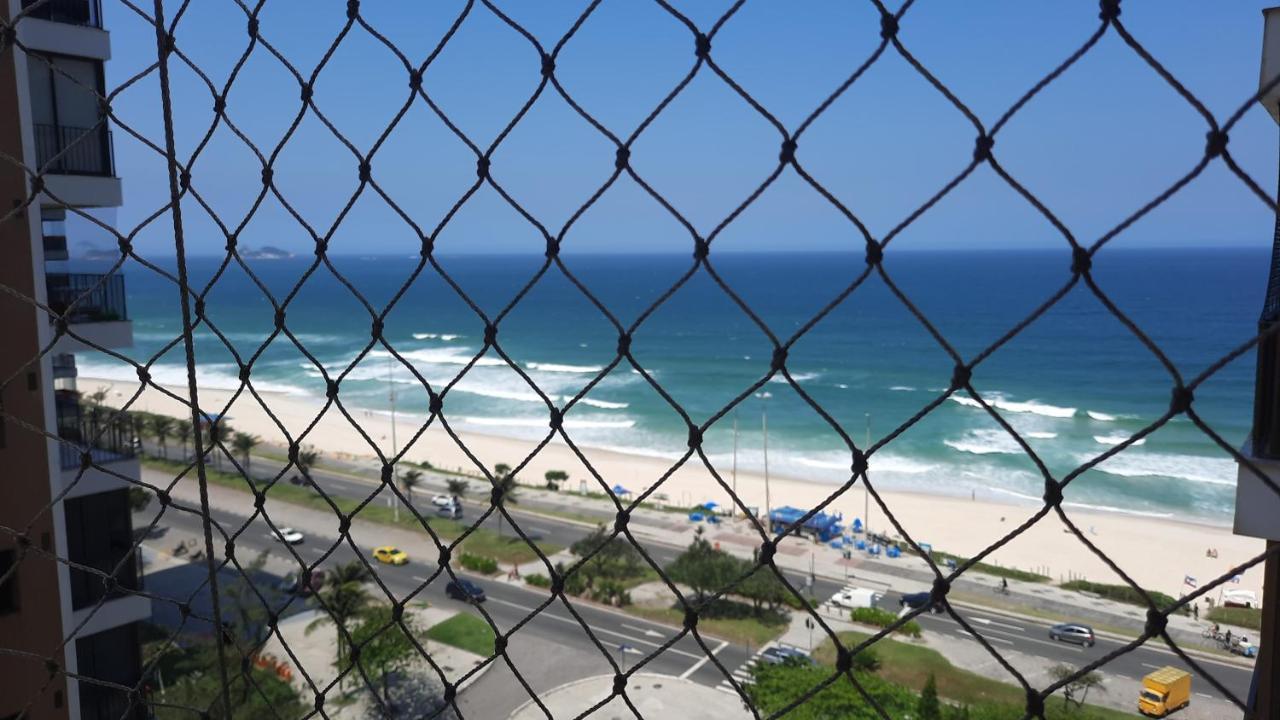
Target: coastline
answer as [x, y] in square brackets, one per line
[958, 525]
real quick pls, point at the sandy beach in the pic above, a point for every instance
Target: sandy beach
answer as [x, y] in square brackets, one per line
[1157, 553]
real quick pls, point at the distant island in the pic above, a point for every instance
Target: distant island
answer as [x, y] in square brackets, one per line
[266, 252]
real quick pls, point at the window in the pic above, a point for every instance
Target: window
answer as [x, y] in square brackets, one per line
[8, 586]
[71, 134]
[111, 656]
[99, 535]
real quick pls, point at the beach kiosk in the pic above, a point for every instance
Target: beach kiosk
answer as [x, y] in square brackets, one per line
[822, 527]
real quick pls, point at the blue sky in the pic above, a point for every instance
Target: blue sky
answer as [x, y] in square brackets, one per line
[1105, 138]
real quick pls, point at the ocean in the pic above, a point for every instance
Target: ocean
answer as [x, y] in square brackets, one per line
[1073, 384]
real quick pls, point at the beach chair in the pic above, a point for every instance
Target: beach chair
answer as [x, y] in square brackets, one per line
[695, 517]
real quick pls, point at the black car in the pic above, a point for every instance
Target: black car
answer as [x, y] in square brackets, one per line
[1073, 633]
[463, 589]
[919, 600]
[784, 655]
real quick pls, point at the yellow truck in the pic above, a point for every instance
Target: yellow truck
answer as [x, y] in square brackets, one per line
[1165, 691]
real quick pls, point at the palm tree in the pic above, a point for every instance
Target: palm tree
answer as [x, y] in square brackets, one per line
[409, 480]
[501, 470]
[182, 429]
[456, 486]
[343, 598]
[244, 443]
[162, 429]
[307, 458]
[510, 494]
[219, 433]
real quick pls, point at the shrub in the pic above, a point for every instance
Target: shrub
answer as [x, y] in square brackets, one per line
[884, 618]
[1120, 593]
[538, 580]
[478, 563]
[1242, 617]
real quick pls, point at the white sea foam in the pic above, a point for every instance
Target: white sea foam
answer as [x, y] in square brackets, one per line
[1000, 402]
[425, 336]
[902, 388]
[985, 442]
[602, 404]
[797, 376]
[557, 368]
[1192, 468]
[1100, 416]
[842, 386]
[1116, 440]
[1082, 506]
[215, 376]
[570, 423]
[1040, 435]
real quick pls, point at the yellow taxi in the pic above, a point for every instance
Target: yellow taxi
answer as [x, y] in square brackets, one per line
[390, 555]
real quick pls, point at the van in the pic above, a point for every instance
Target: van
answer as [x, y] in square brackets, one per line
[852, 597]
[1239, 598]
[1164, 691]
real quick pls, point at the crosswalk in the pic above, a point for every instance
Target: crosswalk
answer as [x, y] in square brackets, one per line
[742, 673]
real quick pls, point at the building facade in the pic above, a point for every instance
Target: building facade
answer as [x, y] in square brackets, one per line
[66, 460]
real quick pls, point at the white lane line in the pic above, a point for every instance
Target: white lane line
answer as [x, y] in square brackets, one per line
[1149, 665]
[419, 578]
[705, 659]
[597, 630]
[989, 638]
[1204, 695]
[648, 632]
[987, 621]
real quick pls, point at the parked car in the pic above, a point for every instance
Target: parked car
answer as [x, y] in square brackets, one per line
[442, 500]
[315, 582]
[390, 555]
[452, 512]
[1073, 633]
[919, 600]
[288, 535]
[785, 655]
[851, 598]
[464, 589]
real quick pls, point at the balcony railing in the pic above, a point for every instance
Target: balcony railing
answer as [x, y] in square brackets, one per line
[103, 302]
[107, 438]
[71, 12]
[67, 150]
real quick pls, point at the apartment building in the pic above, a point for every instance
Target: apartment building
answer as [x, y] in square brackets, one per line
[67, 497]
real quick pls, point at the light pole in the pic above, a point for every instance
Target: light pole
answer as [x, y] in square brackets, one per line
[866, 493]
[395, 471]
[733, 505]
[764, 426]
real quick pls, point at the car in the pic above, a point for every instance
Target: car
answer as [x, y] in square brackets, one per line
[288, 535]
[851, 598]
[449, 511]
[919, 600]
[315, 582]
[442, 501]
[390, 555]
[1073, 633]
[785, 655]
[464, 589]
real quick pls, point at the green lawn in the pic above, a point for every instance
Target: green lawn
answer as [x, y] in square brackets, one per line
[1243, 617]
[508, 548]
[909, 665]
[464, 631]
[751, 632]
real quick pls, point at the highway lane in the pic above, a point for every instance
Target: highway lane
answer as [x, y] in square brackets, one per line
[507, 605]
[1026, 637]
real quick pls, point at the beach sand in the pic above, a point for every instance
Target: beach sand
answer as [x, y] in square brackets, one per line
[1157, 553]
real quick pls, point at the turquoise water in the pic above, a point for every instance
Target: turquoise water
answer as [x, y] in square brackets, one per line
[1073, 384]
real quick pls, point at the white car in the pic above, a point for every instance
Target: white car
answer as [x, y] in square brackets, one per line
[442, 501]
[288, 535]
[851, 598]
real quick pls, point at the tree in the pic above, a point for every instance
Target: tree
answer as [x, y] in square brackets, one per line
[243, 598]
[182, 429]
[501, 470]
[456, 486]
[929, 708]
[244, 443]
[96, 398]
[506, 483]
[385, 650]
[614, 559]
[554, 478]
[1076, 689]
[763, 588]
[191, 680]
[703, 568]
[412, 695]
[307, 458]
[219, 434]
[161, 427]
[410, 480]
[343, 599]
[139, 498]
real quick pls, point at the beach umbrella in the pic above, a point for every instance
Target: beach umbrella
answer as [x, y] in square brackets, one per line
[710, 505]
[619, 490]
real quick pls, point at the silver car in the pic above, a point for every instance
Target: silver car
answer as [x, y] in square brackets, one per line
[1073, 633]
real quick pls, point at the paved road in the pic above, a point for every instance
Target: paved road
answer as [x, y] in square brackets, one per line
[549, 635]
[1030, 638]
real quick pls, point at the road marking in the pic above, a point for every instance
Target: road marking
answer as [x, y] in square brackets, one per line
[705, 659]
[986, 621]
[420, 578]
[647, 631]
[596, 630]
[1149, 665]
[988, 638]
[1204, 695]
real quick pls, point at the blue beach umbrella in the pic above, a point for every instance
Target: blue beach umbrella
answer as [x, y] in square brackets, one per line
[619, 490]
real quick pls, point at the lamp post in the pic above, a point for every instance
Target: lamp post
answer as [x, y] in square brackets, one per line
[395, 470]
[733, 507]
[866, 493]
[764, 426]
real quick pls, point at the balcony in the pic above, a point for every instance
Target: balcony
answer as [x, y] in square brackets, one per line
[94, 306]
[108, 439]
[85, 13]
[66, 150]
[64, 366]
